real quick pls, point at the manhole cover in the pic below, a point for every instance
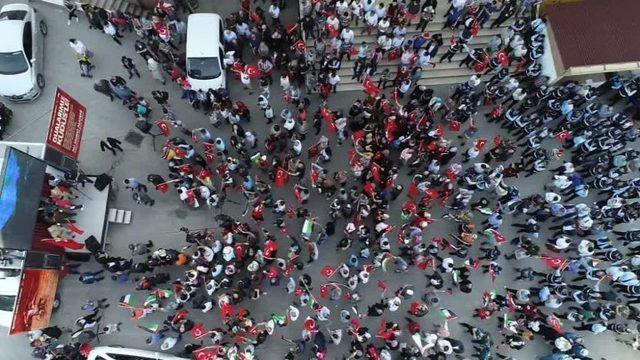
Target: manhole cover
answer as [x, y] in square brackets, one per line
[133, 138]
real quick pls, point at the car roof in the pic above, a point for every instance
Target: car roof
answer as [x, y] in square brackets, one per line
[203, 34]
[16, 6]
[11, 39]
[131, 351]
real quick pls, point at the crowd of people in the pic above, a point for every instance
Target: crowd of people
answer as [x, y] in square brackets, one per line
[582, 279]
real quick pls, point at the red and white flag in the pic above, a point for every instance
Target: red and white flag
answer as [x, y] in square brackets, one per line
[164, 127]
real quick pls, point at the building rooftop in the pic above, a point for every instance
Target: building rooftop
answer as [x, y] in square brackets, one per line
[596, 32]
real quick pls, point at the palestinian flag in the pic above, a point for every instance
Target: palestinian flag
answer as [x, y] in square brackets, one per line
[385, 263]
[127, 301]
[307, 227]
[163, 293]
[151, 299]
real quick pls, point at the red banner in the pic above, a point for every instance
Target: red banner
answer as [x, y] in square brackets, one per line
[67, 123]
[35, 300]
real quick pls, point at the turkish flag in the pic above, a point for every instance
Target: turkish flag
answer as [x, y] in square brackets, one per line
[556, 324]
[413, 190]
[315, 176]
[74, 228]
[503, 58]
[395, 93]
[85, 349]
[208, 146]
[327, 114]
[333, 32]
[376, 172]
[454, 126]
[163, 188]
[256, 18]
[440, 130]
[563, 135]
[554, 262]
[310, 325]
[480, 143]
[164, 127]
[371, 88]
[270, 248]
[410, 207]
[324, 291]
[253, 71]
[328, 271]
[227, 311]
[191, 197]
[198, 331]
[291, 28]
[209, 353]
[332, 127]
[211, 158]
[64, 243]
[282, 178]
[300, 45]
[497, 140]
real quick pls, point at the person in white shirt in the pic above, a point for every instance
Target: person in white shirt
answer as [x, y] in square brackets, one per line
[347, 35]
[284, 82]
[243, 29]
[400, 30]
[516, 97]
[384, 26]
[342, 6]
[372, 21]
[246, 81]
[381, 10]
[111, 30]
[333, 22]
[384, 42]
[474, 81]
[274, 11]
[397, 42]
[369, 5]
[230, 37]
[404, 87]
[357, 10]
[78, 47]
[334, 80]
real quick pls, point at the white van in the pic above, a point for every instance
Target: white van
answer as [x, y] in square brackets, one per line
[121, 353]
[205, 53]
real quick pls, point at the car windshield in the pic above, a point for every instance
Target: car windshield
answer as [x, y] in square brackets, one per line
[204, 68]
[13, 63]
[13, 15]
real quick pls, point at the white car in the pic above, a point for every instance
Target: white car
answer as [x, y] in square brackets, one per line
[205, 53]
[21, 52]
[118, 353]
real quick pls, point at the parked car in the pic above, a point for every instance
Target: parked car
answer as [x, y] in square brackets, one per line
[21, 52]
[122, 353]
[205, 53]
